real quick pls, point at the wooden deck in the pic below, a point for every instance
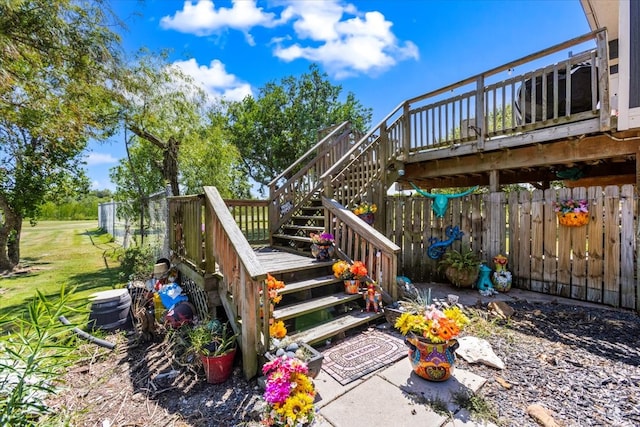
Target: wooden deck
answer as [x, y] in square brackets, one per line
[278, 261]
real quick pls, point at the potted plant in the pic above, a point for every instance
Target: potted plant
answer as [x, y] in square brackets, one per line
[215, 344]
[351, 274]
[460, 267]
[322, 246]
[366, 211]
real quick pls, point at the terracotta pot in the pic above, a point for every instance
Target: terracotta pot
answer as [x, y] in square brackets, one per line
[432, 361]
[218, 368]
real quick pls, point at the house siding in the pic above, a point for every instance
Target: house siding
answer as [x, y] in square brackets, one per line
[634, 63]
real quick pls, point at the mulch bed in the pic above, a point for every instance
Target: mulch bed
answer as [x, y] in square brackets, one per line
[582, 364]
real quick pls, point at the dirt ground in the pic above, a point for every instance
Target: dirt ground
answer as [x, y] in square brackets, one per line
[589, 356]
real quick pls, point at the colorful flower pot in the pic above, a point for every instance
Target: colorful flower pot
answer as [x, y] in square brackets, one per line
[432, 361]
[573, 219]
[351, 287]
[369, 218]
[322, 252]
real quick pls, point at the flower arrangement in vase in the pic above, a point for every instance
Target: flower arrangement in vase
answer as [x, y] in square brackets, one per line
[366, 211]
[351, 274]
[572, 213]
[289, 393]
[322, 246]
[431, 333]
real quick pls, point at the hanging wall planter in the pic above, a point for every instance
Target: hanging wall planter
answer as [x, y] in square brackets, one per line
[573, 219]
[572, 213]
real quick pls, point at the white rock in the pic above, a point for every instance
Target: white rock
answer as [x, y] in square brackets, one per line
[478, 350]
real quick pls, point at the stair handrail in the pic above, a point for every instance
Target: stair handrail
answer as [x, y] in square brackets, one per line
[357, 240]
[309, 152]
[289, 192]
[243, 278]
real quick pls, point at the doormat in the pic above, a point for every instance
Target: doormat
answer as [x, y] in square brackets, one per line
[360, 355]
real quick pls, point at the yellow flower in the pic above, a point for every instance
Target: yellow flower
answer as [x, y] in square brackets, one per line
[277, 329]
[298, 407]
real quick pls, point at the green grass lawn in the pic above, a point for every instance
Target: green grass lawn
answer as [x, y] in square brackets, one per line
[74, 253]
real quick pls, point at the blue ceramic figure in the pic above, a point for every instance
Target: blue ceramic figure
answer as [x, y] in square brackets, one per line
[484, 282]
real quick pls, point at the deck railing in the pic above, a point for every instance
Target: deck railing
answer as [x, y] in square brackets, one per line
[252, 217]
[207, 236]
[242, 279]
[358, 241]
[301, 181]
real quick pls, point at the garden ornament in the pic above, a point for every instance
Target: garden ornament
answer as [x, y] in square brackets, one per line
[372, 298]
[441, 201]
[484, 282]
[439, 247]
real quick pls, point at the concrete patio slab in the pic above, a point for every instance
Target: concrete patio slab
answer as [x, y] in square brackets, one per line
[377, 402]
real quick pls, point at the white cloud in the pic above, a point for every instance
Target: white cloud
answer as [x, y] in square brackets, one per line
[99, 185]
[215, 80]
[202, 18]
[330, 32]
[93, 159]
[363, 43]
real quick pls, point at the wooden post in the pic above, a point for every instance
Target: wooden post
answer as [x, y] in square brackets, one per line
[480, 124]
[637, 201]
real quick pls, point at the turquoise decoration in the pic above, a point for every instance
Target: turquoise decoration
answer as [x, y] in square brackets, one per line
[441, 201]
[484, 282]
[439, 247]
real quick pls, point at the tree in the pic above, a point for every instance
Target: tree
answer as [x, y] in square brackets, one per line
[178, 134]
[56, 57]
[282, 123]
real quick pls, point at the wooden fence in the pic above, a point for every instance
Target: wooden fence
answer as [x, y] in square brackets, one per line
[595, 262]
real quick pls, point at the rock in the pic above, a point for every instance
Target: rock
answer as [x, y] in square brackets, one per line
[506, 385]
[542, 416]
[501, 308]
[478, 350]
[280, 352]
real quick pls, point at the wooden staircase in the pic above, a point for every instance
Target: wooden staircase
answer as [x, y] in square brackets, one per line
[314, 306]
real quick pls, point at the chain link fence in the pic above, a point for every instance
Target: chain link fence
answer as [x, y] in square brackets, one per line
[152, 232]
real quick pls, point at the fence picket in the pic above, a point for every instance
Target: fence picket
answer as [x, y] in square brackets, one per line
[595, 254]
[612, 246]
[627, 247]
[579, 254]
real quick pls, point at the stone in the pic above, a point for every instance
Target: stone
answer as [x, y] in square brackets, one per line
[501, 308]
[478, 350]
[542, 416]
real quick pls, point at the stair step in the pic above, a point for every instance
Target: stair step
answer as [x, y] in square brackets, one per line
[309, 284]
[315, 228]
[292, 237]
[314, 217]
[335, 326]
[312, 305]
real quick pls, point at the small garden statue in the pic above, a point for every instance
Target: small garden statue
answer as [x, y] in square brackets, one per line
[372, 298]
[501, 277]
[484, 282]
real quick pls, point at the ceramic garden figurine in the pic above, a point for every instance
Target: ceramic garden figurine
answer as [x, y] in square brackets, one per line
[501, 277]
[372, 298]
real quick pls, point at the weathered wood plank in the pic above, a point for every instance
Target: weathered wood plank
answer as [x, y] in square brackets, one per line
[627, 248]
[537, 243]
[595, 255]
[579, 249]
[524, 257]
[564, 250]
[513, 233]
[612, 247]
[549, 246]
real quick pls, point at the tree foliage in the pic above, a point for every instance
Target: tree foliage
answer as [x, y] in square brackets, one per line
[176, 136]
[282, 123]
[56, 57]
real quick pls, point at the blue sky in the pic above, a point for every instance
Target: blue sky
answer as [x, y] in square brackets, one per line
[383, 51]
